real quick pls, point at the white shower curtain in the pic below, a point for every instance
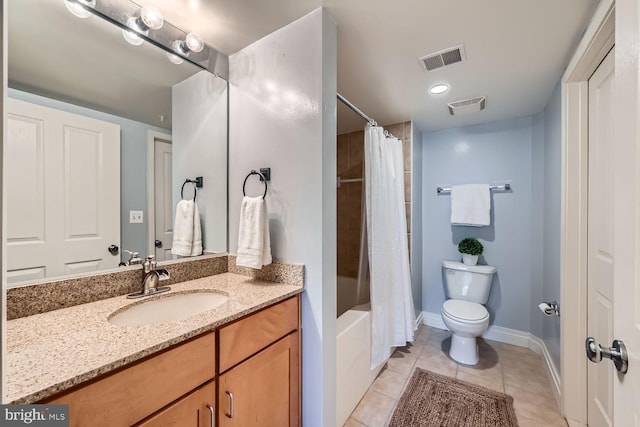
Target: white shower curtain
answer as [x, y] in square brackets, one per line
[393, 316]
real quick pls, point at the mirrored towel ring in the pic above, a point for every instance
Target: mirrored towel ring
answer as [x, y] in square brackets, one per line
[264, 174]
[197, 183]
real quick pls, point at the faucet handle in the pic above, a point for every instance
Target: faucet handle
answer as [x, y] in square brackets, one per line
[135, 258]
[149, 263]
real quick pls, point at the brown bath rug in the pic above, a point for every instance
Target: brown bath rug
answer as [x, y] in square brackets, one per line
[432, 400]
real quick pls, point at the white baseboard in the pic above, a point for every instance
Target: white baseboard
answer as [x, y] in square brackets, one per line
[433, 319]
[536, 344]
[513, 337]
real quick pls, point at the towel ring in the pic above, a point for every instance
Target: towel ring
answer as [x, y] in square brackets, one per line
[195, 190]
[262, 178]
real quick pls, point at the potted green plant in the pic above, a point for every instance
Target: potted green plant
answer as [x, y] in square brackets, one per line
[471, 249]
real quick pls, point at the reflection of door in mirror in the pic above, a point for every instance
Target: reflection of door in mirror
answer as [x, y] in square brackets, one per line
[63, 197]
[160, 195]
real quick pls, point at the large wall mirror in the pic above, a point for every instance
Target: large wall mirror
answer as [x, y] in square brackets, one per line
[101, 137]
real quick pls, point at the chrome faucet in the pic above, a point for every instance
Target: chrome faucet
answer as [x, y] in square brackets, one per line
[134, 258]
[152, 277]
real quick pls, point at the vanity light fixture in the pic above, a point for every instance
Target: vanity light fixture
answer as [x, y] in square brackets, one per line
[75, 7]
[136, 23]
[193, 42]
[439, 89]
[149, 18]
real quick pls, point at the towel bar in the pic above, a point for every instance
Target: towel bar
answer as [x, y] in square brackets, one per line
[197, 184]
[262, 174]
[504, 187]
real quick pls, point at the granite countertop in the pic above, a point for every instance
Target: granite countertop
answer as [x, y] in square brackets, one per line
[50, 352]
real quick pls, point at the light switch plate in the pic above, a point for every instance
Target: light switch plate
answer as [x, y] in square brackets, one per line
[135, 217]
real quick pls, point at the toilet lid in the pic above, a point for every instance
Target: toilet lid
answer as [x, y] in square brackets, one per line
[465, 310]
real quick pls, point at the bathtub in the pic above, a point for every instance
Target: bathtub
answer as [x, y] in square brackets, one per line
[353, 358]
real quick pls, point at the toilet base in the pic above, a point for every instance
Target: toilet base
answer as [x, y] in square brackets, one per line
[464, 349]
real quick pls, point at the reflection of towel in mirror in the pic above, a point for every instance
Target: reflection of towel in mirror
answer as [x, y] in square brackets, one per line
[187, 235]
[471, 205]
[254, 243]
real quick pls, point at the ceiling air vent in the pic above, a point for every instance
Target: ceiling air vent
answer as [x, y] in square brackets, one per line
[443, 58]
[464, 106]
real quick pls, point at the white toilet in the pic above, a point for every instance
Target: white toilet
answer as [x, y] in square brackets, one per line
[467, 287]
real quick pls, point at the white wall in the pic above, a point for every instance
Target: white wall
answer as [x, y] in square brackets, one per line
[282, 101]
[3, 276]
[199, 111]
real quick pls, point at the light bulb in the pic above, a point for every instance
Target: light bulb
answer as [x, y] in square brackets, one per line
[175, 58]
[151, 17]
[194, 42]
[179, 48]
[74, 6]
[130, 35]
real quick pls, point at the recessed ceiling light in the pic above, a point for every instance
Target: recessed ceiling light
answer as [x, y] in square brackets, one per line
[439, 88]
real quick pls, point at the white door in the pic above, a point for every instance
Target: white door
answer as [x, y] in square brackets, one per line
[626, 272]
[63, 192]
[600, 240]
[614, 240]
[163, 210]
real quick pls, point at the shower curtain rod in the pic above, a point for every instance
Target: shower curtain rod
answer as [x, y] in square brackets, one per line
[359, 112]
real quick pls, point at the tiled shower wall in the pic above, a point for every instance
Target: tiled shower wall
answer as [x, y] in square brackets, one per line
[350, 166]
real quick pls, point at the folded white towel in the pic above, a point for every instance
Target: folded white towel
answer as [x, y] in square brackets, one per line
[187, 234]
[254, 243]
[471, 205]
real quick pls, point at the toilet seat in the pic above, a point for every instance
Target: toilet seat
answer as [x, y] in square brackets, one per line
[465, 311]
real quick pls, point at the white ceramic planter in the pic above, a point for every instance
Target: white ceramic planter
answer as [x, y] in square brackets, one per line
[470, 259]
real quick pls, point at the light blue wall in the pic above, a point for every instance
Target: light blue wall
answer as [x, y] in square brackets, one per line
[416, 217]
[490, 153]
[199, 111]
[537, 222]
[551, 218]
[133, 165]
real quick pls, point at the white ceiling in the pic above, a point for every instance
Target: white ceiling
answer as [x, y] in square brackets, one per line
[515, 50]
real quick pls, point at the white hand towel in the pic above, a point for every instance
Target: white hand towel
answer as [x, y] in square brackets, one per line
[187, 234]
[471, 205]
[254, 243]
[196, 245]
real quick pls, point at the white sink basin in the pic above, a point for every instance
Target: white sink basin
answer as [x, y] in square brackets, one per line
[168, 308]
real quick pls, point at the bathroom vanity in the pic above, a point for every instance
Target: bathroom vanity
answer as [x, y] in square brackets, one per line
[235, 365]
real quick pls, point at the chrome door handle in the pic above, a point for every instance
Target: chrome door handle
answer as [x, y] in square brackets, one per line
[213, 415]
[230, 414]
[617, 353]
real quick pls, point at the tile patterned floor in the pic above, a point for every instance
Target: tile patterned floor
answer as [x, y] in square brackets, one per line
[516, 371]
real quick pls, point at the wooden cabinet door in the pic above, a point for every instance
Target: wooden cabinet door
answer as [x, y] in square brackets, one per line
[265, 389]
[194, 410]
[139, 390]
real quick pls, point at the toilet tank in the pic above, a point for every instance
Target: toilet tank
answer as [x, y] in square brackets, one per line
[468, 282]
